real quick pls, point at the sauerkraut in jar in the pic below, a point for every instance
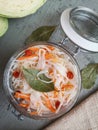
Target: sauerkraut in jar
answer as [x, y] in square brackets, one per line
[44, 79]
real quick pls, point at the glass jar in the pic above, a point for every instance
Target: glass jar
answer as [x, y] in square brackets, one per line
[71, 19]
[9, 88]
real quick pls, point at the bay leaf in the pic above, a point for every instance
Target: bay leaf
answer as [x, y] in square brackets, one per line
[42, 33]
[89, 75]
[31, 78]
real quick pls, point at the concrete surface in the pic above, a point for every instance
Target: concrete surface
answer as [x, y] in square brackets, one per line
[19, 30]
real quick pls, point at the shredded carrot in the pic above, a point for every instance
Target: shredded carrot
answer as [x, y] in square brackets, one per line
[48, 104]
[50, 47]
[24, 105]
[26, 57]
[67, 96]
[34, 113]
[56, 89]
[45, 95]
[21, 95]
[50, 70]
[67, 87]
[34, 49]
[49, 56]
[55, 94]
[55, 60]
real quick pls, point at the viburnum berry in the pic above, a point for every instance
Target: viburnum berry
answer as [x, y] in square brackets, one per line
[70, 75]
[57, 103]
[28, 52]
[16, 74]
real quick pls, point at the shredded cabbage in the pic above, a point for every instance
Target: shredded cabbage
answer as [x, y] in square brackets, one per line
[56, 70]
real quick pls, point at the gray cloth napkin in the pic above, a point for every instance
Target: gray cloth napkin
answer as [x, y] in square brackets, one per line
[83, 117]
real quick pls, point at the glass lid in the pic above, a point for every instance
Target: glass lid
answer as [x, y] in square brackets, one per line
[80, 24]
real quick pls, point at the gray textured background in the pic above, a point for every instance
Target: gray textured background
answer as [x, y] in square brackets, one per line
[19, 30]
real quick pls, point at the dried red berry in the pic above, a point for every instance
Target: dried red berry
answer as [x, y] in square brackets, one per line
[28, 52]
[70, 75]
[57, 103]
[16, 74]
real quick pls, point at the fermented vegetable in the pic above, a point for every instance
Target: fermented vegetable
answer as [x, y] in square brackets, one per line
[44, 79]
[19, 8]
